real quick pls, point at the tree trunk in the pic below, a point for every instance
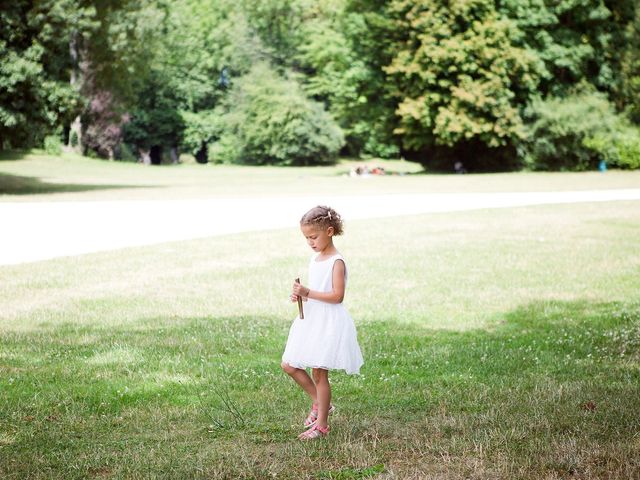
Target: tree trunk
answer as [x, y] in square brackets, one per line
[75, 130]
[144, 156]
[75, 136]
[156, 155]
[201, 155]
[173, 153]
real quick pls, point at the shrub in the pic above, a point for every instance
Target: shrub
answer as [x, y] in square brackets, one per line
[126, 154]
[563, 132]
[629, 151]
[619, 148]
[53, 144]
[200, 128]
[73, 139]
[225, 150]
[269, 120]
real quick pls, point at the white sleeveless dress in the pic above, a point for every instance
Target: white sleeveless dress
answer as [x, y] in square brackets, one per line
[326, 337]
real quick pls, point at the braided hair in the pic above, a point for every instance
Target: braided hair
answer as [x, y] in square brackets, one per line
[323, 217]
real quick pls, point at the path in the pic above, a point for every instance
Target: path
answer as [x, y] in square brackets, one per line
[40, 231]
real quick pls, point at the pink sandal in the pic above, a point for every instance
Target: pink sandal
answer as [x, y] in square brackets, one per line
[314, 432]
[312, 418]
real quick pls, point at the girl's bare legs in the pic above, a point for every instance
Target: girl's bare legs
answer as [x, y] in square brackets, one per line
[302, 378]
[323, 392]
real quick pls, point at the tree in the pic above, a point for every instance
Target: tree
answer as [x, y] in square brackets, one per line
[343, 48]
[461, 83]
[560, 126]
[155, 124]
[631, 68]
[191, 71]
[276, 25]
[61, 55]
[114, 63]
[35, 94]
[576, 40]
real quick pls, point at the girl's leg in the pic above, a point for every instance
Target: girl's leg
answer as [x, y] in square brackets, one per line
[302, 378]
[323, 389]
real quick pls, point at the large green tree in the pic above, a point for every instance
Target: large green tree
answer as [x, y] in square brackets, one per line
[343, 50]
[36, 95]
[206, 46]
[113, 67]
[434, 80]
[576, 40]
[461, 82]
[64, 57]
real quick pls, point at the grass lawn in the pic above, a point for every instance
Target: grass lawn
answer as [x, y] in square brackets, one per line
[498, 343]
[37, 177]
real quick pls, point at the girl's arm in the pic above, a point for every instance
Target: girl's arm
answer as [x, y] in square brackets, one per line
[335, 296]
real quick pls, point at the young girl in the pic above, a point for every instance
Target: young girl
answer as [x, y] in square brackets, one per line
[325, 339]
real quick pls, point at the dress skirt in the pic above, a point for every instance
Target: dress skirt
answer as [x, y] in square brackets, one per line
[326, 338]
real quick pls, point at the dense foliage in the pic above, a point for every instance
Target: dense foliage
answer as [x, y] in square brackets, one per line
[459, 78]
[631, 67]
[35, 92]
[268, 120]
[562, 130]
[543, 84]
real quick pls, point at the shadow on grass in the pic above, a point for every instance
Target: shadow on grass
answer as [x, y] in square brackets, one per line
[559, 341]
[21, 185]
[12, 155]
[552, 390]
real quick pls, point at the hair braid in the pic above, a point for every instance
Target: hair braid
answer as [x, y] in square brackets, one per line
[323, 217]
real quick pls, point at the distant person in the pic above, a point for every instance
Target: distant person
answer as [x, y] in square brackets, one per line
[459, 167]
[360, 171]
[602, 166]
[325, 339]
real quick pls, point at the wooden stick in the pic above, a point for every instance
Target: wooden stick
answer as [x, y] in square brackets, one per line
[300, 309]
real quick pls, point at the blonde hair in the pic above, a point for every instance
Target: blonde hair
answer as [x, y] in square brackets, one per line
[323, 217]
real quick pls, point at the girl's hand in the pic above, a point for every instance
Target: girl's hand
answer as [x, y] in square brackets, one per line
[299, 290]
[294, 298]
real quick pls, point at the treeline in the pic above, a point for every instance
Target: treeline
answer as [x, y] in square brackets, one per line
[496, 84]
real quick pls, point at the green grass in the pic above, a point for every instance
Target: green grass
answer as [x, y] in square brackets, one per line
[497, 343]
[36, 176]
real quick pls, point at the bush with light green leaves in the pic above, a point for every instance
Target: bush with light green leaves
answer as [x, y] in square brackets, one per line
[619, 148]
[269, 121]
[577, 132]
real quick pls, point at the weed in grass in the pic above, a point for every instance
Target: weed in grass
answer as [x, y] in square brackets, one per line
[224, 414]
[352, 473]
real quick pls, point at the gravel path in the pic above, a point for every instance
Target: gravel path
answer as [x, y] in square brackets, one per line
[40, 231]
